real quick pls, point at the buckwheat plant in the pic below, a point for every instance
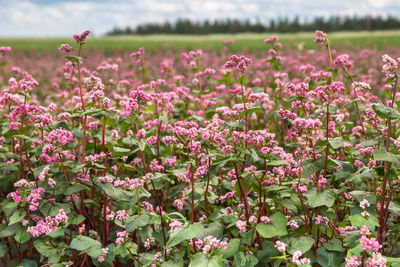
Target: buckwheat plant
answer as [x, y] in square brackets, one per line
[280, 157]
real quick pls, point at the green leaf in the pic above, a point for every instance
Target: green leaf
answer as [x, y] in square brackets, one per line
[310, 167]
[17, 216]
[316, 198]
[336, 142]
[44, 248]
[135, 222]
[118, 194]
[232, 249]
[394, 208]
[22, 236]
[3, 249]
[358, 220]
[76, 219]
[28, 263]
[361, 195]
[383, 155]
[241, 260]
[184, 234]
[172, 263]
[120, 151]
[277, 226]
[75, 188]
[74, 59]
[277, 163]
[94, 251]
[56, 233]
[334, 245]
[329, 259]
[242, 80]
[201, 260]
[215, 229]
[303, 244]
[82, 243]
[386, 112]
[269, 251]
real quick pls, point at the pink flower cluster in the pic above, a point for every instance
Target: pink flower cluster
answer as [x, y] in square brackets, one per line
[66, 47]
[209, 244]
[121, 236]
[47, 225]
[175, 225]
[81, 38]
[343, 61]
[296, 259]
[237, 63]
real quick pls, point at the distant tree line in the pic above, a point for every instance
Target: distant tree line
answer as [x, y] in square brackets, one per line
[334, 23]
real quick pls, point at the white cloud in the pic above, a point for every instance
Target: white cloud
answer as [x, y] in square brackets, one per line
[66, 17]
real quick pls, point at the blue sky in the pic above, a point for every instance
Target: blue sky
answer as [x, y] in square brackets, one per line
[42, 18]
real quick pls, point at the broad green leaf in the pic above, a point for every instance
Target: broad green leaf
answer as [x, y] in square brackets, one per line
[310, 167]
[136, 222]
[383, 155]
[242, 260]
[172, 263]
[118, 194]
[183, 234]
[317, 198]
[277, 163]
[215, 229]
[336, 142]
[75, 188]
[44, 248]
[28, 263]
[303, 244]
[361, 195]
[120, 151]
[3, 249]
[358, 220]
[22, 236]
[394, 208]
[232, 249]
[82, 243]
[334, 245]
[277, 226]
[94, 251]
[386, 112]
[17, 216]
[58, 232]
[76, 219]
[201, 260]
[74, 59]
[329, 259]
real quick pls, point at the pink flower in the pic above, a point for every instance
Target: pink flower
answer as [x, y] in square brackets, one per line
[353, 261]
[80, 38]
[272, 39]
[343, 61]
[237, 63]
[175, 225]
[66, 47]
[369, 244]
[280, 246]
[320, 37]
[241, 225]
[364, 204]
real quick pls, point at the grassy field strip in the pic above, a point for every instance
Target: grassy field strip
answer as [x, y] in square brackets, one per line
[253, 41]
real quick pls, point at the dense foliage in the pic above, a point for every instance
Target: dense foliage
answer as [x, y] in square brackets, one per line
[200, 159]
[282, 25]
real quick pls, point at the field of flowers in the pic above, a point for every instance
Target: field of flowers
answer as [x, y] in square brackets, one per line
[281, 157]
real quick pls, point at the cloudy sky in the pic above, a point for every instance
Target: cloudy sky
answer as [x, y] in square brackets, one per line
[42, 18]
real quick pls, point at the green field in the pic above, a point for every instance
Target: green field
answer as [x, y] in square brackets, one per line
[252, 41]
